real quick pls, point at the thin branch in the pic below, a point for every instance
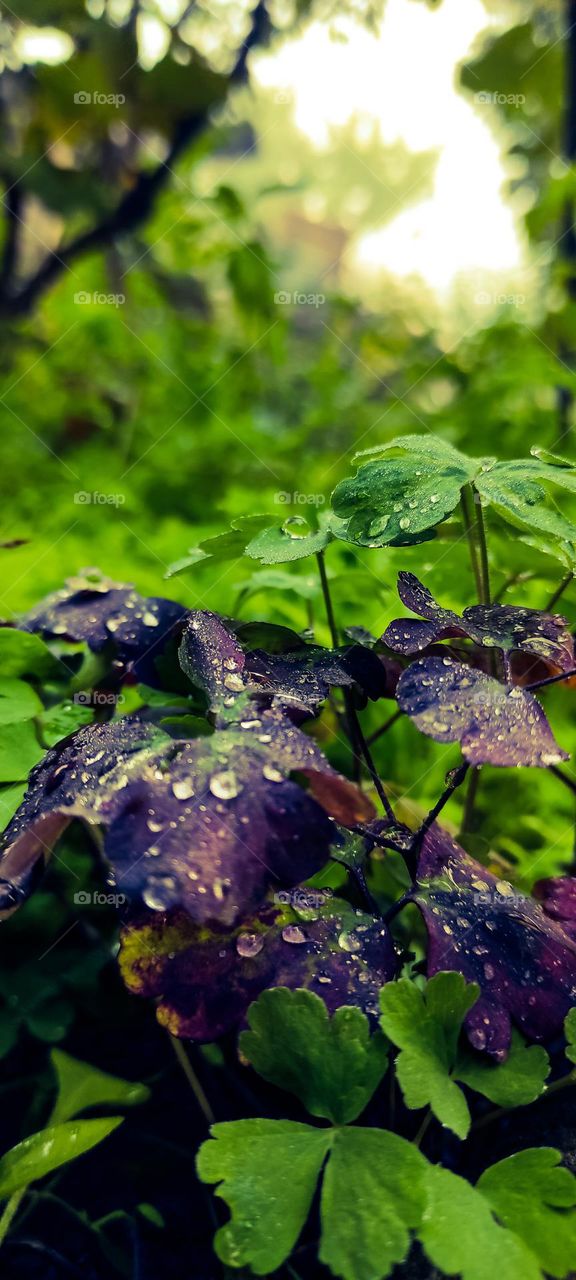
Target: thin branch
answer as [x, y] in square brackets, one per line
[541, 684]
[559, 591]
[138, 203]
[10, 253]
[378, 733]
[192, 1078]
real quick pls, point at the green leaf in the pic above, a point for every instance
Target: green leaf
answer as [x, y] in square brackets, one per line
[267, 1171]
[570, 1033]
[425, 1025]
[11, 798]
[65, 718]
[402, 490]
[230, 545]
[18, 701]
[513, 1083]
[332, 1064]
[531, 1195]
[24, 654]
[373, 1193]
[461, 1236]
[51, 1020]
[80, 1085]
[19, 751]
[515, 492]
[293, 540]
[45, 1151]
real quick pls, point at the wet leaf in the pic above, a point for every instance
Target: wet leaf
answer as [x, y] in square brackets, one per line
[402, 490]
[425, 1027]
[516, 491]
[47, 1150]
[482, 927]
[530, 1195]
[558, 898]
[295, 539]
[333, 1065]
[461, 1236]
[508, 627]
[109, 615]
[513, 1083]
[204, 980]
[224, 546]
[230, 670]
[494, 723]
[267, 1172]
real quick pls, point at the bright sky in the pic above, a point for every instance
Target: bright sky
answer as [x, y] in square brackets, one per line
[405, 78]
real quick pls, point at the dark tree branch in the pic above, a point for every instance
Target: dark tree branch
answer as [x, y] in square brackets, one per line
[13, 204]
[137, 205]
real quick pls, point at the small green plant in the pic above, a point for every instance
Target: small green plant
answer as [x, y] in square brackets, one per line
[373, 968]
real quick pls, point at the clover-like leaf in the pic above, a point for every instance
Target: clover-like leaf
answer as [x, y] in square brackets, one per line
[204, 980]
[230, 545]
[532, 1196]
[509, 627]
[109, 616]
[513, 1083]
[332, 1064]
[462, 1237]
[494, 723]
[570, 1033]
[267, 1172]
[480, 926]
[516, 491]
[295, 539]
[425, 1026]
[402, 490]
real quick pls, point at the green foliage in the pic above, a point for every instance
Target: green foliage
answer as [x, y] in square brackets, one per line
[425, 1024]
[81, 1085]
[47, 1150]
[570, 1033]
[461, 1236]
[332, 1064]
[267, 1171]
[530, 1195]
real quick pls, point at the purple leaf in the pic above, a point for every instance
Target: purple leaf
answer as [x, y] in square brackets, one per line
[214, 660]
[558, 898]
[482, 927]
[543, 635]
[204, 981]
[103, 613]
[494, 723]
[206, 824]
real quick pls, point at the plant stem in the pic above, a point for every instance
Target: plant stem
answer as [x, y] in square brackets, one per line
[378, 733]
[365, 749]
[483, 550]
[465, 505]
[559, 592]
[557, 1085]
[10, 1211]
[456, 781]
[541, 684]
[327, 598]
[427, 1121]
[471, 792]
[355, 733]
[192, 1078]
